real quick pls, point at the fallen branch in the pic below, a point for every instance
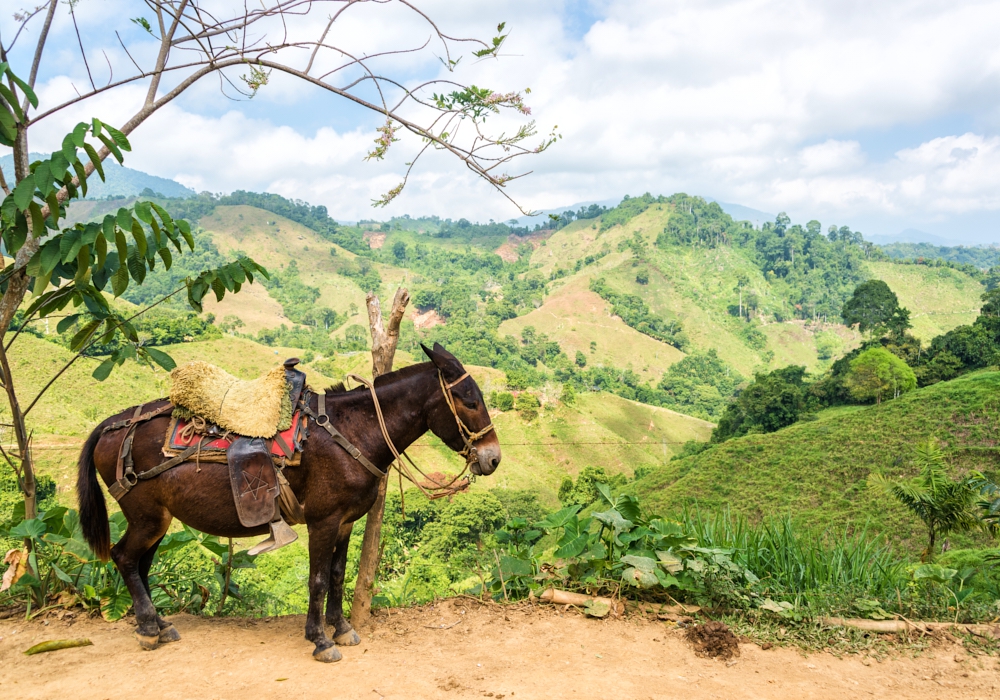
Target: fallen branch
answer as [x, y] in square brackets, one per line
[558, 597]
[894, 626]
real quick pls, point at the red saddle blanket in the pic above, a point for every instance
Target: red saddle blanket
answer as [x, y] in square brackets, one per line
[287, 443]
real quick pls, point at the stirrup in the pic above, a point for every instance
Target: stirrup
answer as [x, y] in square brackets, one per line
[281, 534]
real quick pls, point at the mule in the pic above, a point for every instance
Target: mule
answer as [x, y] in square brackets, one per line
[334, 489]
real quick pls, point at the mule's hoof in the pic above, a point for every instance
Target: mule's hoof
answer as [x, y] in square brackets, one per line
[349, 638]
[148, 643]
[169, 634]
[328, 655]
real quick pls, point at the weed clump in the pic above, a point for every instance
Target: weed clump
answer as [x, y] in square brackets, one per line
[713, 640]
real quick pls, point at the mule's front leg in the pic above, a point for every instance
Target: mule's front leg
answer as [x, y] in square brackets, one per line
[343, 633]
[323, 538]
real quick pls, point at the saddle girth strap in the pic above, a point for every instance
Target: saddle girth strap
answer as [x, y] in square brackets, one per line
[323, 421]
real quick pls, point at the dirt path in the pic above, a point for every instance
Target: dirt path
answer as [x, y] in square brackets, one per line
[490, 652]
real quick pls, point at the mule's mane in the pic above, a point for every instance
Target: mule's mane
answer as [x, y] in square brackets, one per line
[385, 379]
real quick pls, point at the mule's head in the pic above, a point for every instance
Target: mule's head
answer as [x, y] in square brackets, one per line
[463, 400]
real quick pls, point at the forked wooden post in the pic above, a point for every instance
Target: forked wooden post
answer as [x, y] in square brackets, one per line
[384, 340]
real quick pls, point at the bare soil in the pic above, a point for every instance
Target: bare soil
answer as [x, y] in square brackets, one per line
[460, 649]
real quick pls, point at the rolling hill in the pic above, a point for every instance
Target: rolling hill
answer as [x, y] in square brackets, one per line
[816, 470]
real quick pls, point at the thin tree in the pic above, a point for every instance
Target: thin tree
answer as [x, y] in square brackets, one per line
[942, 504]
[242, 48]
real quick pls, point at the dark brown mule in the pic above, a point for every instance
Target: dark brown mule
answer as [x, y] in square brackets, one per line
[334, 489]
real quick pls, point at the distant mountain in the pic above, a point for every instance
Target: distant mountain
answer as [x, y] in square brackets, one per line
[120, 181]
[912, 235]
[742, 213]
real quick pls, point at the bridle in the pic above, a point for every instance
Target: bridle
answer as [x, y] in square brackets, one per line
[438, 490]
[468, 436]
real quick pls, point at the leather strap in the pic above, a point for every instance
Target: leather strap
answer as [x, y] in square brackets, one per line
[323, 421]
[288, 452]
[138, 417]
[457, 381]
[124, 484]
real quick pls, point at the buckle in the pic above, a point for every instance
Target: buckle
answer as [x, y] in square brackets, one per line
[322, 420]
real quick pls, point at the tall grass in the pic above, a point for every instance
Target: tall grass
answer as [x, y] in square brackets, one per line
[791, 562]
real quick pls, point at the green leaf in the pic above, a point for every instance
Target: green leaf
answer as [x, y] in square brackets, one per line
[41, 283]
[115, 604]
[66, 322]
[118, 136]
[29, 93]
[38, 229]
[573, 546]
[119, 281]
[219, 288]
[136, 265]
[671, 562]
[639, 577]
[33, 529]
[83, 335]
[81, 175]
[113, 147]
[596, 608]
[166, 257]
[140, 238]
[103, 370]
[24, 192]
[143, 212]
[94, 159]
[12, 101]
[161, 358]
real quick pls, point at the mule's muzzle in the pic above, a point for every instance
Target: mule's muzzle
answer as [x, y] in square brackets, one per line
[488, 460]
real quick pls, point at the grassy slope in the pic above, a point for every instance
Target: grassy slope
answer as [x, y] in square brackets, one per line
[575, 317]
[817, 470]
[536, 455]
[277, 243]
[938, 298]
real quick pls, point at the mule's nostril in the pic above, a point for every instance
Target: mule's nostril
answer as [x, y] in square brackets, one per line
[495, 462]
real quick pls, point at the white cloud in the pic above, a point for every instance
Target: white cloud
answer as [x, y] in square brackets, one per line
[771, 104]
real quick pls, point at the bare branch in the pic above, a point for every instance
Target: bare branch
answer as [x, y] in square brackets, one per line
[83, 53]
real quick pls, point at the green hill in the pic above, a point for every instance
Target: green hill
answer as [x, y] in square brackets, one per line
[816, 470]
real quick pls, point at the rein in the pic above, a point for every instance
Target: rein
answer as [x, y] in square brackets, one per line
[438, 490]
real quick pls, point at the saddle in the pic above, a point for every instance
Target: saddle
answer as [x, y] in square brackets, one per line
[260, 490]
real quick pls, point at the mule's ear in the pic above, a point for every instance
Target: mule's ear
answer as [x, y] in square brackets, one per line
[439, 350]
[427, 351]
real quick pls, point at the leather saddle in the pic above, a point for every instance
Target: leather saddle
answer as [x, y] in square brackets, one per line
[260, 491]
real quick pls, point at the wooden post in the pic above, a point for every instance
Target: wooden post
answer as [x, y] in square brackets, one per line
[384, 342]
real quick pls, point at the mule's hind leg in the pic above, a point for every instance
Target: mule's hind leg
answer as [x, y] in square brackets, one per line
[343, 633]
[168, 633]
[323, 537]
[128, 554]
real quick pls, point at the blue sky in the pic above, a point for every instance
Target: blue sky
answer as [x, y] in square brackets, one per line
[878, 116]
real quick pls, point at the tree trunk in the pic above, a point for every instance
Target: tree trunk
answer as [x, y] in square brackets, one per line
[384, 342]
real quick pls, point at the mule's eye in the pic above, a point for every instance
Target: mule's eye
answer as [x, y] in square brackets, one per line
[471, 405]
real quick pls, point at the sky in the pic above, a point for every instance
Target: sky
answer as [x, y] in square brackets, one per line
[879, 116]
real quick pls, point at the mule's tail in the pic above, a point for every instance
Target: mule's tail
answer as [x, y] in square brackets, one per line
[93, 509]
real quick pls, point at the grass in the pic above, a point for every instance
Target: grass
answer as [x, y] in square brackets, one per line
[938, 298]
[575, 317]
[816, 471]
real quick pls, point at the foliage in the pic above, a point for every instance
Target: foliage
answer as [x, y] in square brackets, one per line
[876, 372]
[980, 257]
[875, 309]
[298, 300]
[700, 385]
[584, 490]
[79, 263]
[771, 402]
[189, 568]
[635, 313]
[944, 505]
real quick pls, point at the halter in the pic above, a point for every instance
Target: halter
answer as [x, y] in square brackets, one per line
[468, 437]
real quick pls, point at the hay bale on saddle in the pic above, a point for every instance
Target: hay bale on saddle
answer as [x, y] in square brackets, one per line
[254, 408]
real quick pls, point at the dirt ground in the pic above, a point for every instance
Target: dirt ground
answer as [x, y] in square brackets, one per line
[459, 649]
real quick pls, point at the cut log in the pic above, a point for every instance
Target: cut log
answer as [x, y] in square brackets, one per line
[894, 626]
[558, 597]
[384, 340]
